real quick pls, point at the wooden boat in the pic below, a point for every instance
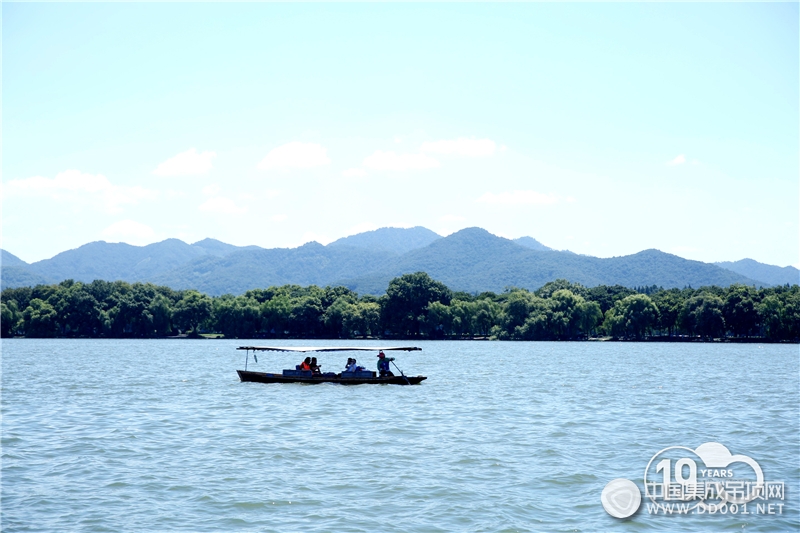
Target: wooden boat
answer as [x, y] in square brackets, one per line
[344, 378]
[266, 377]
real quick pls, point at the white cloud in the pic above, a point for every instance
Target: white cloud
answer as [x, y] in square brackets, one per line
[679, 160]
[295, 155]
[221, 205]
[188, 163]
[211, 190]
[391, 161]
[130, 231]
[77, 188]
[278, 218]
[354, 173]
[462, 147]
[518, 198]
[451, 218]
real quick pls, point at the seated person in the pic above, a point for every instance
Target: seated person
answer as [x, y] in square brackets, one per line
[314, 366]
[306, 364]
[351, 365]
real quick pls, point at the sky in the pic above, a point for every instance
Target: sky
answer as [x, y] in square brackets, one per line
[605, 129]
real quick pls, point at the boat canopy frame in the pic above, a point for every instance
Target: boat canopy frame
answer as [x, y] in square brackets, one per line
[306, 349]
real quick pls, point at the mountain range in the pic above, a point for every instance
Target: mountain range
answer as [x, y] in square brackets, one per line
[471, 260]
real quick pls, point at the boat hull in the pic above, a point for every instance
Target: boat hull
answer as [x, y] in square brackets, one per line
[266, 377]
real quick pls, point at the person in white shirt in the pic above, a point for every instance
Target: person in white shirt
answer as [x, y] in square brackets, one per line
[351, 365]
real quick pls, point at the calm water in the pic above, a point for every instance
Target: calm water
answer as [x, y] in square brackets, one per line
[109, 435]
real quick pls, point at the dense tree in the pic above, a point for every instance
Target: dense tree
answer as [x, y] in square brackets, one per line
[771, 312]
[518, 304]
[702, 315]
[537, 324]
[160, 310]
[550, 288]
[192, 310]
[414, 305]
[405, 305]
[362, 319]
[740, 310]
[78, 311]
[40, 319]
[334, 316]
[590, 317]
[238, 317]
[606, 296]
[439, 320]
[632, 317]
[305, 318]
[669, 303]
[10, 318]
[275, 314]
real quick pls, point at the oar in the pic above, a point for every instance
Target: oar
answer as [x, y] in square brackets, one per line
[401, 373]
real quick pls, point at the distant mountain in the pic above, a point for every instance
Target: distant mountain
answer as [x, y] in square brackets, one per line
[395, 240]
[238, 272]
[21, 276]
[7, 259]
[114, 261]
[533, 244]
[221, 249]
[472, 260]
[117, 261]
[769, 274]
[17, 273]
[475, 260]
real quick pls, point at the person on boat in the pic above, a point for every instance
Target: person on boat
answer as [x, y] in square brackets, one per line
[383, 365]
[351, 365]
[306, 364]
[314, 366]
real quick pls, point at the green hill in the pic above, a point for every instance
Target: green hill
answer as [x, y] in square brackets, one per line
[395, 240]
[310, 264]
[474, 260]
[471, 260]
[21, 276]
[8, 259]
[533, 244]
[221, 249]
[769, 274]
[117, 261]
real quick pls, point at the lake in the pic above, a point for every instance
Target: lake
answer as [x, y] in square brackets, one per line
[160, 435]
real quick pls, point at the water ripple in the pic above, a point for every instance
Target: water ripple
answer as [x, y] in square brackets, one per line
[515, 437]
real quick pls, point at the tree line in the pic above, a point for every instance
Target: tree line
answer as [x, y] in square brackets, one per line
[414, 306]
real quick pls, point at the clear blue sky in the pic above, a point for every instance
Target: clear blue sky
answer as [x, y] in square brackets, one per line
[600, 128]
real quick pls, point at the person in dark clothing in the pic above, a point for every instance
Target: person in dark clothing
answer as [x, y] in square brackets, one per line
[383, 365]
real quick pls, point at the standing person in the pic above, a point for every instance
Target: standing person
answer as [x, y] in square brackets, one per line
[383, 365]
